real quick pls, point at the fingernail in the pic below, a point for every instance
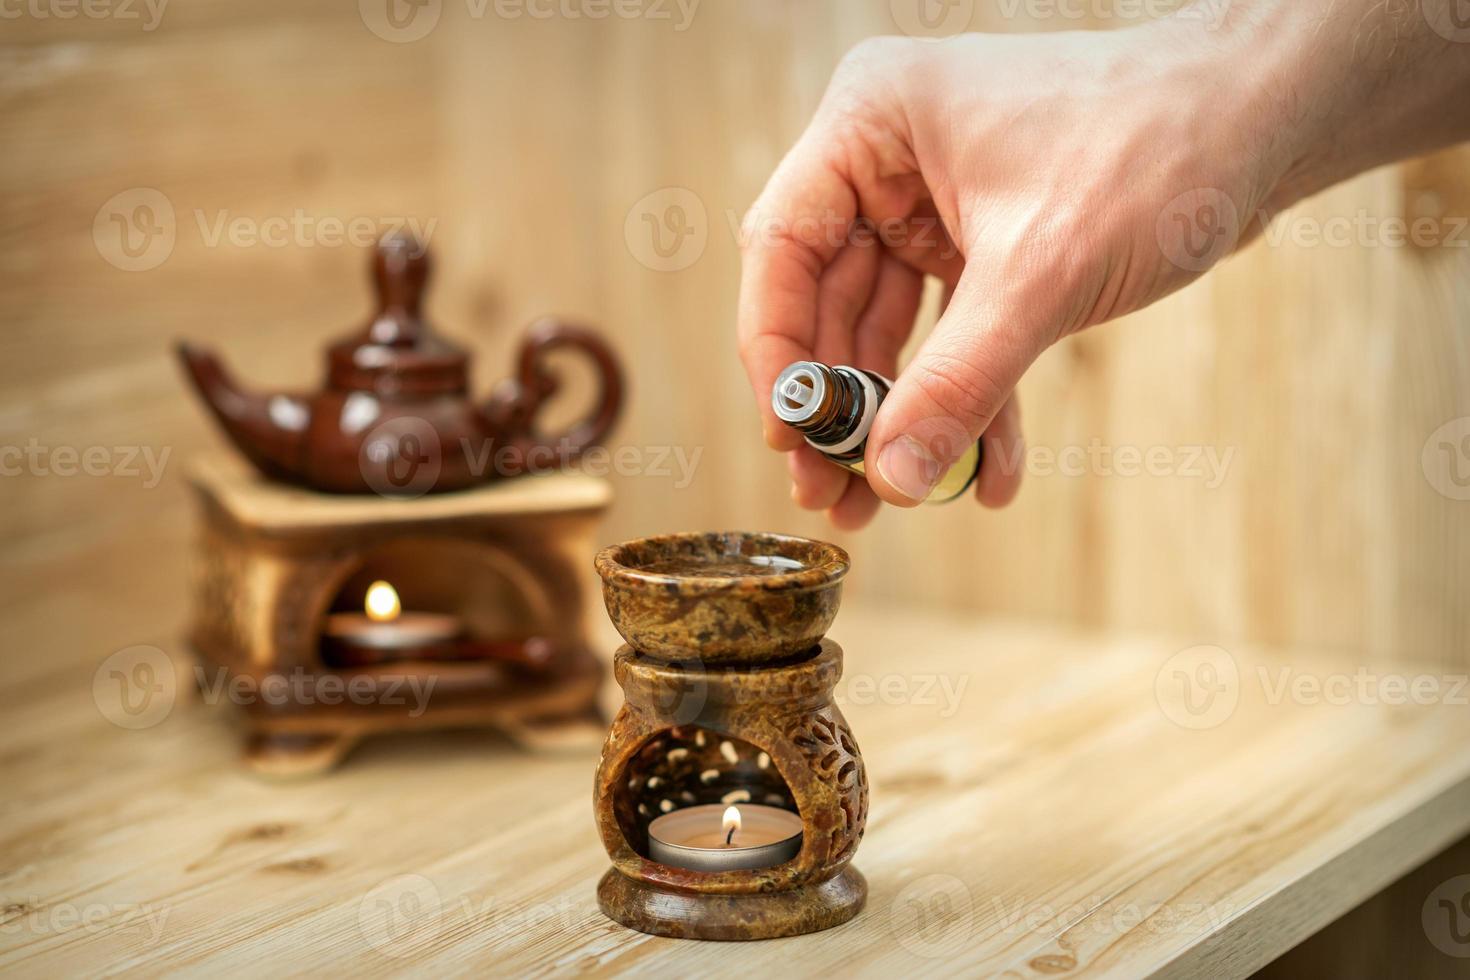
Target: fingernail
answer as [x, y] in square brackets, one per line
[908, 467]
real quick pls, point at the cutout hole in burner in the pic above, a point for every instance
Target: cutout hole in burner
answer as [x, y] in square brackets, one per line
[689, 765]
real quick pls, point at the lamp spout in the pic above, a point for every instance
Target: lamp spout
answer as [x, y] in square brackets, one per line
[270, 429]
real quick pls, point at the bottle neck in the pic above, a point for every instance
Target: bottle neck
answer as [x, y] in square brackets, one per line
[823, 403]
[844, 413]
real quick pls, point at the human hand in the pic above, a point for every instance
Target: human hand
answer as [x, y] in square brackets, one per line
[1029, 174]
[1052, 182]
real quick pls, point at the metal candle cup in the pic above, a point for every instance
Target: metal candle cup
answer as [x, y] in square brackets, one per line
[382, 625]
[410, 630]
[695, 836]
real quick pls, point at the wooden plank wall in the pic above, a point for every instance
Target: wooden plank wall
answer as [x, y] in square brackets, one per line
[1322, 371]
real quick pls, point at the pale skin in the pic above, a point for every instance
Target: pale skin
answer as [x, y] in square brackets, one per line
[1039, 178]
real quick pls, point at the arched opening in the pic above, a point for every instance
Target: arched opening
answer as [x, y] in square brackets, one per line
[689, 765]
[456, 602]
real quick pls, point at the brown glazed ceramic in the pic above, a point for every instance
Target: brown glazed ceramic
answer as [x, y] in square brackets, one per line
[395, 416]
[762, 728]
[722, 597]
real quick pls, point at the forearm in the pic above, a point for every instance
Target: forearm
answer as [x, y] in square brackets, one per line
[1336, 87]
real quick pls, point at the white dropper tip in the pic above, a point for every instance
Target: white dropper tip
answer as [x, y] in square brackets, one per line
[797, 393]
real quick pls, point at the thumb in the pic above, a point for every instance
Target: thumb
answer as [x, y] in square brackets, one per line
[947, 396]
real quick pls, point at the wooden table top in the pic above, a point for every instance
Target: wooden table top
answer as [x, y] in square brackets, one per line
[1043, 802]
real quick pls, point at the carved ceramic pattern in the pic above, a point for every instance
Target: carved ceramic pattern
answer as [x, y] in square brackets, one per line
[834, 756]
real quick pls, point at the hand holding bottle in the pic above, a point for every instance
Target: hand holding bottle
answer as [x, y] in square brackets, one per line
[1052, 182]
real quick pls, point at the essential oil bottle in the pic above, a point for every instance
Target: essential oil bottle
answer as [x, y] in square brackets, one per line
[834, 408]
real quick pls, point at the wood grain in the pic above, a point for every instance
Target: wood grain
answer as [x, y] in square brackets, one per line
[1324, 372]
[1037, 808]
[1319, 373]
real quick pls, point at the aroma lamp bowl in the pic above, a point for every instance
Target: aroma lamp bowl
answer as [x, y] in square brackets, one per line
[722, 598]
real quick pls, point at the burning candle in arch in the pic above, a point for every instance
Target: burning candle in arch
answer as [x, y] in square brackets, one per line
[714, 837]
[383, 632]
[383, 629]
[381, 602]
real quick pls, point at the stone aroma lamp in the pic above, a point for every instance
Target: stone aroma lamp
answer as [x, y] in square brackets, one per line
[731, 794]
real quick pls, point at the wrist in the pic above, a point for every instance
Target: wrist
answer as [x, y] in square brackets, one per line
[1255, 65]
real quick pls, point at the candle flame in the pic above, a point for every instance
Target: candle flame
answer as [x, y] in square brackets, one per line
[381, 603]
[731, 821]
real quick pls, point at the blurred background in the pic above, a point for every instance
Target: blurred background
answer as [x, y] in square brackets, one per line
[216, 170]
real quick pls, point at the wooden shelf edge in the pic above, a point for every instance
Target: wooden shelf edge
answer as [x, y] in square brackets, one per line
[1300, 908]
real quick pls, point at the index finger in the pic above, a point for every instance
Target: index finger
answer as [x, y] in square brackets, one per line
[788, 237]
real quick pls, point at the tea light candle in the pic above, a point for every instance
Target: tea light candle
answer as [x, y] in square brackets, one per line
[713, 837]
[384, 626]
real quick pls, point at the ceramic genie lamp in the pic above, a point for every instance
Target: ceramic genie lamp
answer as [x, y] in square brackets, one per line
[395, 414]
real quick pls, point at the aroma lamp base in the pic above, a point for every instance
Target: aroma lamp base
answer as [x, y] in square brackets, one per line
[676, 914]
[275, 562]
